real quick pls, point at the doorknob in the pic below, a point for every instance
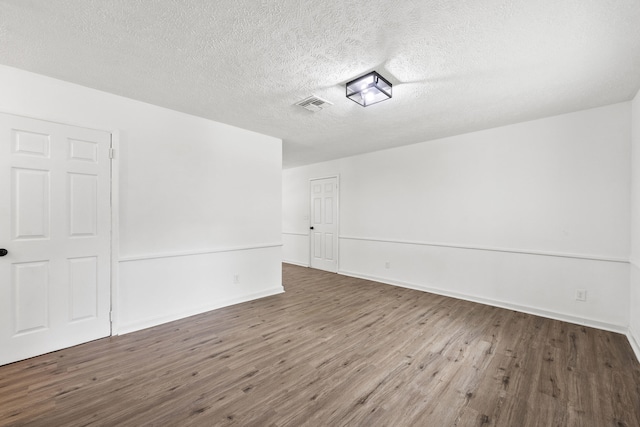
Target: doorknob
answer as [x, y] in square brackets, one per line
[3, 252]
[310, 228]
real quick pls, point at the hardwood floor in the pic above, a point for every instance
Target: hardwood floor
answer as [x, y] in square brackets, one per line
[335, 351]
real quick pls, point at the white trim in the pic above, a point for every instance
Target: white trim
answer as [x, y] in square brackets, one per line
[635, 344]
[516, 307]
[295, 234]
[300, 264]
[155, 321]
[115, 232]
[632, 336]
[492, 249]
[60, 121]
[199, 252]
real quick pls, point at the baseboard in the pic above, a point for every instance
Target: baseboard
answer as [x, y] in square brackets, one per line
[300, 264]
[622, 329]
[155, 321]
[635, 345]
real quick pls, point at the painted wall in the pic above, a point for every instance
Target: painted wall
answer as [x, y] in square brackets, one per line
[519, 216]
[199, 201]
[634, 299]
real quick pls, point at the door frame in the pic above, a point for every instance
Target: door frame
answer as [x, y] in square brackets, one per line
[115, 230]
[114, 182]
[337, 177]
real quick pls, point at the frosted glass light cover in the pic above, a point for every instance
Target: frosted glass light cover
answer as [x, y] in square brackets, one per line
[369, 89]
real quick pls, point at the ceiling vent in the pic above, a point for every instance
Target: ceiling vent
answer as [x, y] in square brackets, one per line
[314, 103]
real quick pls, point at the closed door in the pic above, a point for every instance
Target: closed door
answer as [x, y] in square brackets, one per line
[55, 225]
[324, 224]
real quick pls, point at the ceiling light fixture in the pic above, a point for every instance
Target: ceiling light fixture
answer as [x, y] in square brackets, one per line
[369, 89]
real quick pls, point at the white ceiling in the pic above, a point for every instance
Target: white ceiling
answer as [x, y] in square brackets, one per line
[456, 66]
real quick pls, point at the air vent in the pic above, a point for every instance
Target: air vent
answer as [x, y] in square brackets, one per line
[314, 103]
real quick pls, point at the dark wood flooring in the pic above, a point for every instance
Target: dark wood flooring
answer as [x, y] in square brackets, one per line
[335, 351]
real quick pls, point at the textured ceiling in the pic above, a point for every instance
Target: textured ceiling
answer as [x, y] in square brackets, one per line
[456, 66]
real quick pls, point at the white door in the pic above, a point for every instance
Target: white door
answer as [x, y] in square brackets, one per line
[55, 225]
[324, 224]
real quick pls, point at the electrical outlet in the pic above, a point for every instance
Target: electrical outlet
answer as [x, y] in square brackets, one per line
[236, 279]
[581, 294]
[387, 265]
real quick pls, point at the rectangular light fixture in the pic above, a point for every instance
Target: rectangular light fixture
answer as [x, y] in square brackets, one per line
[369, 89]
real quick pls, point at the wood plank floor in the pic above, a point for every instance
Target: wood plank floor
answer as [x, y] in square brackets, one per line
[335, 351]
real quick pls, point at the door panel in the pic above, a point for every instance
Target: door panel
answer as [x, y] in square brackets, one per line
[328, 246]
[30, 143]
[55, 221]
[83, 285]
[328, 210]
[83, 150]
[82, 204]
[324, 214]
[31, 291]
[30, 199]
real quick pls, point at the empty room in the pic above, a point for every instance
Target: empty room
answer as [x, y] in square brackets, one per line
[296, 213]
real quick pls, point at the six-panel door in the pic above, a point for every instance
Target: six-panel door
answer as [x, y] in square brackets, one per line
[324, 220]
[55, 223]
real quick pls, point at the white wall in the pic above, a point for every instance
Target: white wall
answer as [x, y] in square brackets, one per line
[188, 186]
[634, 300]
[519, 216]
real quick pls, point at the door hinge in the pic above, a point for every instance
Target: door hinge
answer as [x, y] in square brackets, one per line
[112, 153]
[111, 316]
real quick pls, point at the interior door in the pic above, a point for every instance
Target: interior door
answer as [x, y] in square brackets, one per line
[324, 224]
[55, 229]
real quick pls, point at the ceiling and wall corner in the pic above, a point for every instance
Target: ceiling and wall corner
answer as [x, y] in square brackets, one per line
[456, 67]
